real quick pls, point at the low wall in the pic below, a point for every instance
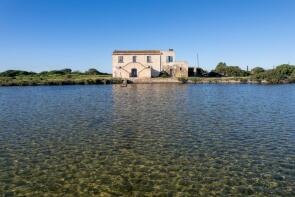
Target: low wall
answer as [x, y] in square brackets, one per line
[154, 80]
[222, 80]
[226, 80]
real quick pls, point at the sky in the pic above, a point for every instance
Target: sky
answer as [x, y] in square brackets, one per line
[38, 35]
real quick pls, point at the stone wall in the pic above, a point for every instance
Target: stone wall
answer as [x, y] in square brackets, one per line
[177, 69]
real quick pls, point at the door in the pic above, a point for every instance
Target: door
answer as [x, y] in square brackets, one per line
[171, 72]
[133, 72]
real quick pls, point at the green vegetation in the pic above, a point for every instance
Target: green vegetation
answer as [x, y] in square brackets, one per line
[164, 74]
[230, 71]
[55, 77]
[223, 73]
[183, 79]
[284, 73]
[257, 70]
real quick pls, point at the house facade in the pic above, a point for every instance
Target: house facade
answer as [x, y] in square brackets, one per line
[147, 64]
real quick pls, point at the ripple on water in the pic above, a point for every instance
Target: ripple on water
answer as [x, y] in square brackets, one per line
[153, 140]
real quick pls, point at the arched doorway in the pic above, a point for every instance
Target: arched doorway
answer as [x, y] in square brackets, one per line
[133, 72]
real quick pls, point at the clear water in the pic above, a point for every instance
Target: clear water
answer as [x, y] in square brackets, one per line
[148, 140]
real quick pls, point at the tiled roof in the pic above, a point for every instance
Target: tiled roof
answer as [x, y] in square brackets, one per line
[137, 52]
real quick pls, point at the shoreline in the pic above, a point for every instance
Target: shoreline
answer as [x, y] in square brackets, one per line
[109, 80]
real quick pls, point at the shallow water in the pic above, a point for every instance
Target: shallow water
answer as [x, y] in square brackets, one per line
[148, 140]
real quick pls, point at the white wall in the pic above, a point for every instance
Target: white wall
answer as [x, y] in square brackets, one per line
[142, 59]
[157, 64]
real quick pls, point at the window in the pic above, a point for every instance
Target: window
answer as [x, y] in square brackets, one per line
[149, 59]
[133, 72]
[120, 59]
[169, 58]
[134, 58]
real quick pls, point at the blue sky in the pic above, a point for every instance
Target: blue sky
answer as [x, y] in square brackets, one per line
[41, 35]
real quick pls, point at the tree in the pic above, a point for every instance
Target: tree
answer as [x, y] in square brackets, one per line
[214, 74]
[235, 71]
[200, 72]
[230, 71]
[14, 73]
[55, 72]
[292, 77]
[282, 73]
[257, 70]
[285, 69]
[92, 71]
[66, 71]
[221, 68]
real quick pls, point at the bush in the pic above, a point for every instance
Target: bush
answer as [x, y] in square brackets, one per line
[230, 71]
[56, 72]
[258, 76]
[214, 74]
[66, 71]
[14, 73]
[282, 73]
[235, 71]
[195, 79]
[183, 79]
[93, 71]
[285, 69]
[257, 70]
[292, 77]
[243, 80]
[221, 68]
[164, 74]
[272, 76]
[201, 72]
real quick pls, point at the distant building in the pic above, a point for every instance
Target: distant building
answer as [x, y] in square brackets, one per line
[147, 64]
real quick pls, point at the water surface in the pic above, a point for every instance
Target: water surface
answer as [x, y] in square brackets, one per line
[147, 140]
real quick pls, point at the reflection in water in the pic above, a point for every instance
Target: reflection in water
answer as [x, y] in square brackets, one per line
[170, 140]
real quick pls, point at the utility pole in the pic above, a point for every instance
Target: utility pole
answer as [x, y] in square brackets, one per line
[198, 60]
[196, 68]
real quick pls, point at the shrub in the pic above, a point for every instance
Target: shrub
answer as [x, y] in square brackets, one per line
[14, 73]
[164, 74]
[195, 79]
[257, 70]
[230, 71]
[93, 71]
[243, 80]
[280, 74]
[292, 77]
[182, 79]
[214, 74]
[66, 71]
[221, 68]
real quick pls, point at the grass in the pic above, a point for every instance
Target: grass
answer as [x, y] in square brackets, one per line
[219, 79]
[85, 79]
[57, 79]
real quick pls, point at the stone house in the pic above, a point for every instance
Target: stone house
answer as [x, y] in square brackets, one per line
[147, 64]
